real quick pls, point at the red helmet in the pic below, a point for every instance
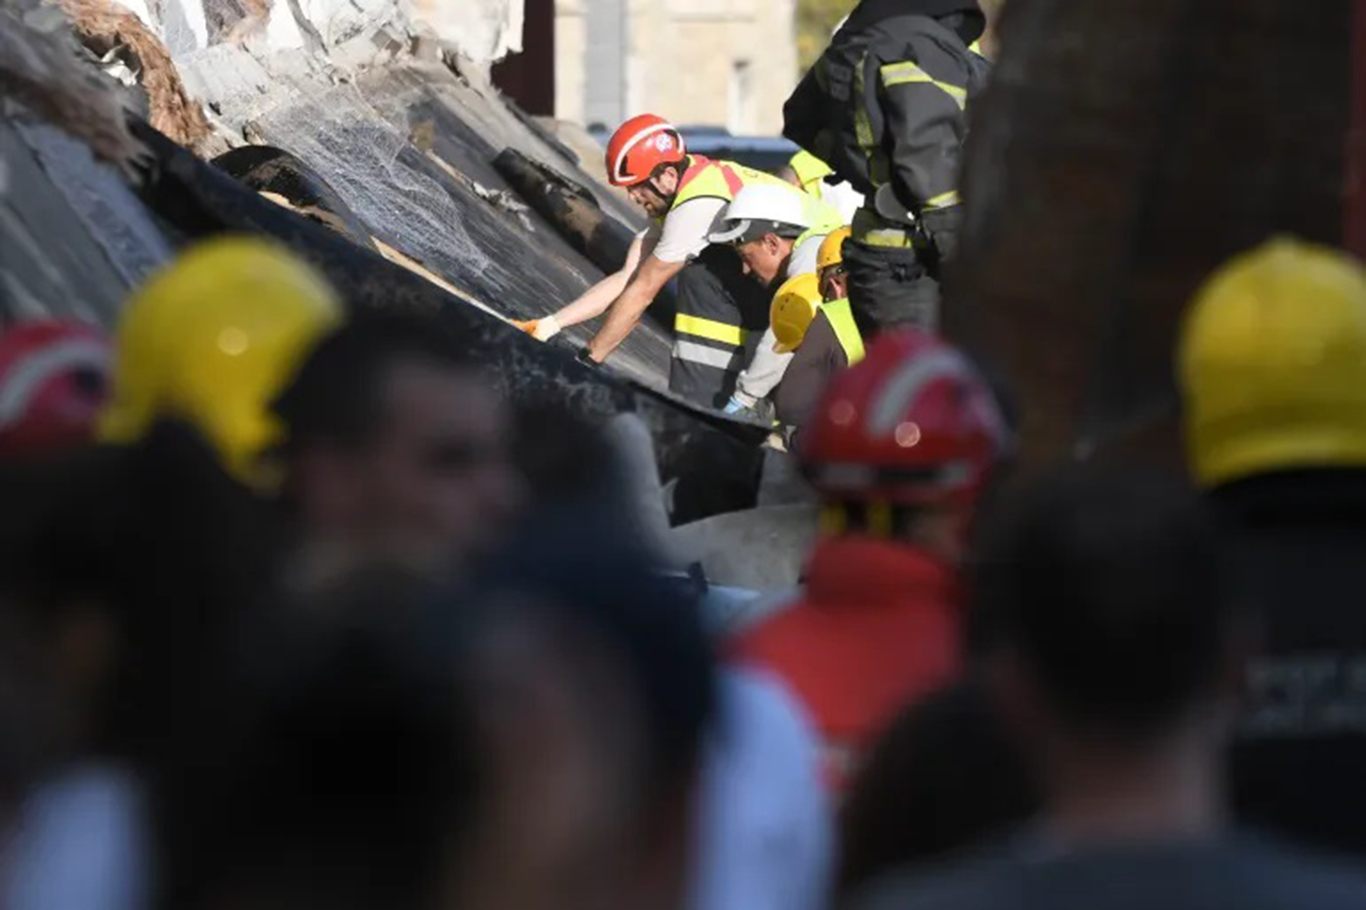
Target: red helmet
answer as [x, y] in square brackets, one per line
[54, 378]
[913, 423]
[640, 145]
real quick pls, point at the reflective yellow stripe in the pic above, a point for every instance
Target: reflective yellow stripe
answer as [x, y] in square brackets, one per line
[709, 329]
[841, 319]
[863, 126]
[809, 169]
[906, 71]
[944, 200]
[871, 229]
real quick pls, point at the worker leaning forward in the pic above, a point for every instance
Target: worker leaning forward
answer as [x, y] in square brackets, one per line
[722, 313]
[777, 232]
[884, 106]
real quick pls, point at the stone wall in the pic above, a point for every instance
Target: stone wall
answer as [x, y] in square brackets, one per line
[726, 63]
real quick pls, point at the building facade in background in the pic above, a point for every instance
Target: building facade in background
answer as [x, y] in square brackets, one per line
[727, 63]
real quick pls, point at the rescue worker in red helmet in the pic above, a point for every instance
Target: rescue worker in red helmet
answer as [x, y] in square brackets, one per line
[900, 450]
[54, 379]
[721, 312]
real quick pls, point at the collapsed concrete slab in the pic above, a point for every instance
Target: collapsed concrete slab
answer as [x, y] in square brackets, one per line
[383, 175]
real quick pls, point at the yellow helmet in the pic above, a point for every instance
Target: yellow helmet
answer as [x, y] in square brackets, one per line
[213, 339]
[794, 306]
[1272, 364]
[831, 251]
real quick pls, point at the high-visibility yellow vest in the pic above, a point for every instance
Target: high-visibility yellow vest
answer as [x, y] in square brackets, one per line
[699, 338]
[846, 330]
[704, 178]
[810, 171]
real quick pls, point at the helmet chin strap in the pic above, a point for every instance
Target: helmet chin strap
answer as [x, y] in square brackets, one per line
[666, 198]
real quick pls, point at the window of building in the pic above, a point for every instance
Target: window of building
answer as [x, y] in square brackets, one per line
[740, 110]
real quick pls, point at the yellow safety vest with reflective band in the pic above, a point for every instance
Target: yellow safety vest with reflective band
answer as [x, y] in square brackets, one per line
[823, 216]
[846, 330]
[705, 178]
[810, 171]
[700, 339]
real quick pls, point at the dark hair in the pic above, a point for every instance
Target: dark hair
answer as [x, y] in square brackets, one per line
[583, 561]
[336, 764]
[944, 776]
[1107, 582]
[159, 540]
[658, 170]
[336, 395]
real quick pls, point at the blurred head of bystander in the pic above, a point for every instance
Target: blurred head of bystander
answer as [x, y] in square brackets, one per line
[396, 447]
[945, 776]
[336, 762]
[641, 675]
[1115, 649]
[905, 443]
[54, 379]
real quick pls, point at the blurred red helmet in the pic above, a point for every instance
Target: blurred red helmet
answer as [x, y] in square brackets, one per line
[54, 378]
[640, 145]
[912, 424]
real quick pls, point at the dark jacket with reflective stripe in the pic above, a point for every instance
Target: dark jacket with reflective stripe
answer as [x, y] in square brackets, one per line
[820, 356]
[884, 105]
[1298, 547]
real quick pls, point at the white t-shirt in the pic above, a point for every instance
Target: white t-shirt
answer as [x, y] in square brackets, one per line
[686, 228]
[765, 834]
[803, 258]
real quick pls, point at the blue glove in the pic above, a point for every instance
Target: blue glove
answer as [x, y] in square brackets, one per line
[734, 406]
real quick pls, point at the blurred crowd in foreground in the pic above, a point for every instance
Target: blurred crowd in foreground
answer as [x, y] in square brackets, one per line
[298, 613]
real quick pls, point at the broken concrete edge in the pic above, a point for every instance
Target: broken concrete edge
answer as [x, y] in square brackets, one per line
[40, 74]
[715, 461]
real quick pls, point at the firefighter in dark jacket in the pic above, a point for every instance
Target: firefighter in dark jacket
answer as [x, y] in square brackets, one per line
[1273, 377]
[885, 107]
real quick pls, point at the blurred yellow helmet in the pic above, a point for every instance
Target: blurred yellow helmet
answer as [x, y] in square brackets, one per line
[212, 339]
[794, 306]
[831, 251]
[1272, 364]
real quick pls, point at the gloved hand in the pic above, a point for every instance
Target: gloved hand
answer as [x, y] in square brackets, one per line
[941, 227]
[543, 329]
[735, 406]
[585, 358]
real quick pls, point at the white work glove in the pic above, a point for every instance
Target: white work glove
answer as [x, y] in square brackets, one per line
[546, 328]
[543, 329]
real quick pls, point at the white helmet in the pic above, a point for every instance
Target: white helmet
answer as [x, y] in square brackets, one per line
[766, 207]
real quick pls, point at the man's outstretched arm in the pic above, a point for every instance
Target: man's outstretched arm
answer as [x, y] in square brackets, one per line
[627, 309]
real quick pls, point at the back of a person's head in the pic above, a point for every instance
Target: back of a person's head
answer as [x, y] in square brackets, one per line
[337, 394]
[591, 567]
[944, 777]
[335, 765]
[155, 542]
[1106, 584]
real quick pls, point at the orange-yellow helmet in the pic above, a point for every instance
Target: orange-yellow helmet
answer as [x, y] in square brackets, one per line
[831, 251]
[793, 308]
